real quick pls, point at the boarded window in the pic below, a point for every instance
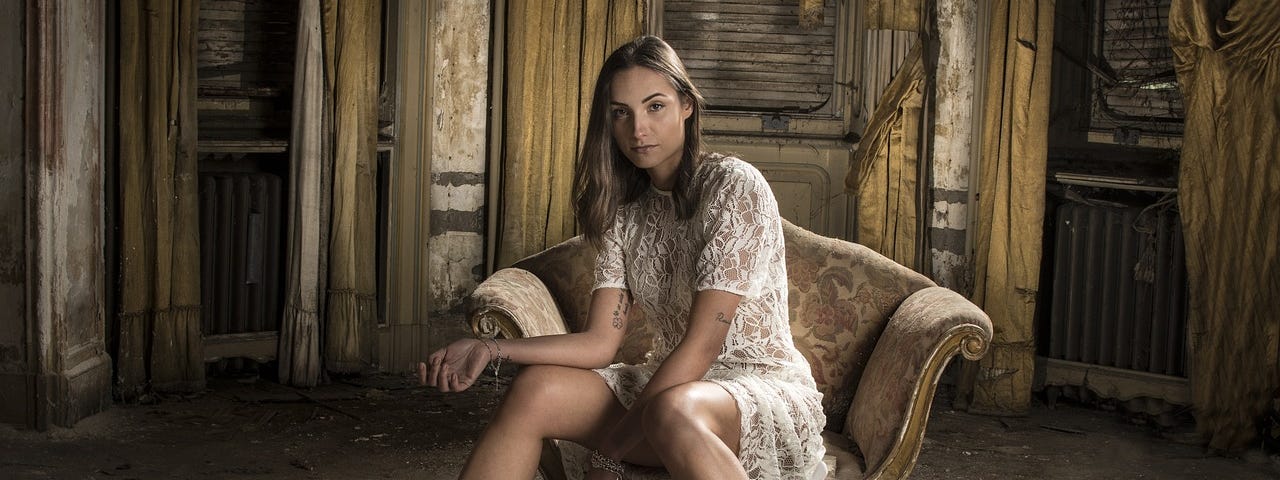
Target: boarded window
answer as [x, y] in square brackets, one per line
[753, 56]
[245, 66]
[1136, 87]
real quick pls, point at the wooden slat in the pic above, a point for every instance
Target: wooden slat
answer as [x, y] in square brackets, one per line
[676, 36]
[753, 59]
[247, 5]
[692, 44]
[801, 73]
[775, 7]
[795, 98]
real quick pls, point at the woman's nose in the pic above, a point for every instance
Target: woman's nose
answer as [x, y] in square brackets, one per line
[639, 127]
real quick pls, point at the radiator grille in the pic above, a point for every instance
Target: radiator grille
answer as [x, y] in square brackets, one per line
[240, 252]
[1119, 288]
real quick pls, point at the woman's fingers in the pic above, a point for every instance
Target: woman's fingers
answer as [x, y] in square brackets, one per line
[437, 367]
[442, 372]
[458, 382]
[422, 373]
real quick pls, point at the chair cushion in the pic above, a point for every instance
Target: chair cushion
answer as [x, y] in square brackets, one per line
[841, 297]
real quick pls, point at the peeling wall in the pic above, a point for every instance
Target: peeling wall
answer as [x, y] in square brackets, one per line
[13, 272]
[458, 160]
[953, 144]
[65, 176]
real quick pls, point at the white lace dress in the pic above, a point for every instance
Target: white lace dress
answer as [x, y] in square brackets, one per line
[733, 243]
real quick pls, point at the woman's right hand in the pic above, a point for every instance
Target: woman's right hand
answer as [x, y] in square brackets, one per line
[456, 367]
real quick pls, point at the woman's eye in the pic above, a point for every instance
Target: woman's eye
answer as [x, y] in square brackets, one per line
[619, 113]
[653, 107]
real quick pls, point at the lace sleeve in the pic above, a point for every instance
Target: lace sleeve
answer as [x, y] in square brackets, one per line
[742, 229]
[611, 270]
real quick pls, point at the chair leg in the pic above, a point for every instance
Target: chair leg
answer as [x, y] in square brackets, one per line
[552, 464]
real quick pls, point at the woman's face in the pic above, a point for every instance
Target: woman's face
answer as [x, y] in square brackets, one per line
[648, 122]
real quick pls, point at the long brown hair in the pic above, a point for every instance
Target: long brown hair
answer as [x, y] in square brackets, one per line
[604, 178]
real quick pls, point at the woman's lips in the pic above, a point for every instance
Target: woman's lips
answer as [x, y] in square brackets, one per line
[643, 149]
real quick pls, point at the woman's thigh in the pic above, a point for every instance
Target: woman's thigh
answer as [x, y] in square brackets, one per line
[568, 403]
[561, 402]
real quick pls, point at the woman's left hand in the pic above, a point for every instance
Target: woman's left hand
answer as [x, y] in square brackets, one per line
[455, 368]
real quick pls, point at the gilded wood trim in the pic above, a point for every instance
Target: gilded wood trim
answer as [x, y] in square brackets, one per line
[965, 339]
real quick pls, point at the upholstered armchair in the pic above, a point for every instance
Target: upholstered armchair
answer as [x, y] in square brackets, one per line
[876, 334]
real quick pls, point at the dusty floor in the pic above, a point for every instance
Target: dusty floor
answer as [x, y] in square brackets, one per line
[384, 426]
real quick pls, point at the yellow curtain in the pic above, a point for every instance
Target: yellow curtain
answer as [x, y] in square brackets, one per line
[159, 338]
[1010, 204]
[885, 172]
[352, 41]
[309, 164]
[1228, 64]
[553, 52]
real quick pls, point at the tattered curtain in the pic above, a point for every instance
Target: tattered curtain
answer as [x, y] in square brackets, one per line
[310, 155]
[1227, 57]
[352, 41]
[159, 339]
[1010, 201]
[553, 52]
[885, 167]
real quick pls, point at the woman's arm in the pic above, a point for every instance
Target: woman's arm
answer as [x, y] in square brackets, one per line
[455, 367]
[709, 320]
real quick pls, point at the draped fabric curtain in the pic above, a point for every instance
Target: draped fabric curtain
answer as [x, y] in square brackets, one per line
[1010, 202]
[309, 166]
[884, 178]
[553, 53]
[351, 45]
[159, 337]
[885, 168]
[1227, 56]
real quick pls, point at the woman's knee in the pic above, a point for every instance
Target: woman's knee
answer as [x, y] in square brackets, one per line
[674, 410]
[690, 413]
[535, 386]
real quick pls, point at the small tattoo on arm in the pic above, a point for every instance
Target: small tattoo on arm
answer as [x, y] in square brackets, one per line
[620, 310]
[720, 318]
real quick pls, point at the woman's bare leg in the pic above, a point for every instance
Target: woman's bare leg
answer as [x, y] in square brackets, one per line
[695, 430]
[546, 402]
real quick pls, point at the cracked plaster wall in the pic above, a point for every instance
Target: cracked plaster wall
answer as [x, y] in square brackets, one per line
[458, 154]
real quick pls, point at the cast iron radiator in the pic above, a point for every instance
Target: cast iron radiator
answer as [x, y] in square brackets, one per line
[1119, 287]
[240, 252]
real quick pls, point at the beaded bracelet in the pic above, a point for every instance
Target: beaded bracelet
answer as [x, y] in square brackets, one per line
[607, 464]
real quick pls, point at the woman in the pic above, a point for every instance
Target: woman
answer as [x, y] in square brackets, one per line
[695, 240]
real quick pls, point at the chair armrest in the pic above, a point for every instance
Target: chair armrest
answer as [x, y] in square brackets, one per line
[891, 406]
[516, 304]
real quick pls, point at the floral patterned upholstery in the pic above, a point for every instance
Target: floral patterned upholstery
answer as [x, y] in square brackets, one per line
[876, 334]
